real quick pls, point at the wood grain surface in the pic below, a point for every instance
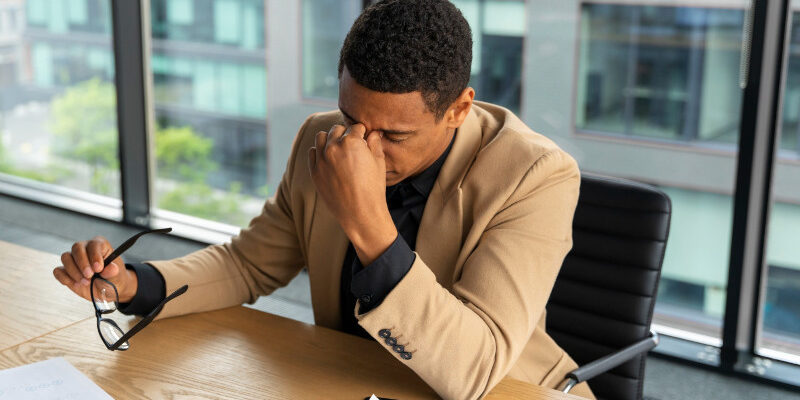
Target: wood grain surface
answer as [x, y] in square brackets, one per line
[32, 302]
[235, 353]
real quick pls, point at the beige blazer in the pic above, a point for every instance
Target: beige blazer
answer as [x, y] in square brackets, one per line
[495, 230]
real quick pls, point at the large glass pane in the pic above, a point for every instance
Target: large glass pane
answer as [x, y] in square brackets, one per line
[498, 27]
[324, 29]
[57, 97]
[209, 84]
[226, 112]
[660, 72]
[649, 91]
[780, 313]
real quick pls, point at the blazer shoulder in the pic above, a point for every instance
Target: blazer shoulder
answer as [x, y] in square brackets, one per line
[510, 151]
[321, 121]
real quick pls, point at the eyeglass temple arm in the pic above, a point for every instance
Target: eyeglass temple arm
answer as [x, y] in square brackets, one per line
[128, 243]
[149, 317]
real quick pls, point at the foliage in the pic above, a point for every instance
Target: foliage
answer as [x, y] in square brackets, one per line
[84, 123]
[200, 200]
[83, 120]
[183, 155]
[49, 175]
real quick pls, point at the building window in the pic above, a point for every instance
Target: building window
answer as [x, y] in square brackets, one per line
[498, 29]
[657, 72]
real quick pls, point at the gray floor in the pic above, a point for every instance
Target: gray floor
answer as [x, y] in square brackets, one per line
[51, 230]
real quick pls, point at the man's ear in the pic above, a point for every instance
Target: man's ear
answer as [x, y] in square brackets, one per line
[458, 111]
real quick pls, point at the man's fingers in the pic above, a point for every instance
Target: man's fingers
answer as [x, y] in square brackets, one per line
[81, 260]
[62, 277]
[96, 249]
[320, 139]
[374, 143]
[334, 134]
[312, 160]
[71, 268]
[358, 131]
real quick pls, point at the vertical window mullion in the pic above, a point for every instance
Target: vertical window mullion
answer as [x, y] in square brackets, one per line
[131, 110]
[760, 108]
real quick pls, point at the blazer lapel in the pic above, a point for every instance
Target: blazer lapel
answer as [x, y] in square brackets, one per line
[327, 248]
[441, 230]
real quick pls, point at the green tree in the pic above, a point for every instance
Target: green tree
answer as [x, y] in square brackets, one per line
[182, 154]
[84, 123]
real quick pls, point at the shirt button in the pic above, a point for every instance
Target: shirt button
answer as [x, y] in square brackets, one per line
[405, 355]
[398, 348]
[391, 341]
[365, 298]
[384, 333]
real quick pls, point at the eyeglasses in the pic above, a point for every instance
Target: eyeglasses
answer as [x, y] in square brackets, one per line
[106, 300]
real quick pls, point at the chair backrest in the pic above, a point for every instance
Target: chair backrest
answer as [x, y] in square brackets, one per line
[603, 297]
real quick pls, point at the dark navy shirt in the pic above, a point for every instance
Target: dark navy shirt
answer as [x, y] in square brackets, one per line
[406, 201]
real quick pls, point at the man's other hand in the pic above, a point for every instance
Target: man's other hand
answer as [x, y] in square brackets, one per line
[85, 259]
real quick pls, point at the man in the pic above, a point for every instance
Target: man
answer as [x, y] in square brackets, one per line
[430, 223]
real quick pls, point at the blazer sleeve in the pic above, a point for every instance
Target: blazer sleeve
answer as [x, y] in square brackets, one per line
[263, 257]
[462, 343]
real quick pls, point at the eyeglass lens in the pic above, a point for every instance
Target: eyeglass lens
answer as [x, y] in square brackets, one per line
[105, 296]
[111, 333]
[106, 299]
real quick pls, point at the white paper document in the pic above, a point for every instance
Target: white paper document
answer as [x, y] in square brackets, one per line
[51, 379]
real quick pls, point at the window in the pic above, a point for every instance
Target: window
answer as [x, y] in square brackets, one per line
[498, 27]
[209, 84]
[57, 98]
[790, 132]
[599, 74]
[780, 311]
[666, 73]
[325, 25]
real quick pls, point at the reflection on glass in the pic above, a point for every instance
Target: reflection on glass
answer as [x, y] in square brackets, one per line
[651, 93]
[498, 27]
[325, 25]
[209, 79]
[57, 98]
[660, 72]
[780, 312]
[790, 131]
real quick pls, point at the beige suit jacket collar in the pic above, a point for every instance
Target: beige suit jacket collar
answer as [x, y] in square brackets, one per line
[437, 242]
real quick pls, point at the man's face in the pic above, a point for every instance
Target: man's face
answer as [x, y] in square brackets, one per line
[412, 138]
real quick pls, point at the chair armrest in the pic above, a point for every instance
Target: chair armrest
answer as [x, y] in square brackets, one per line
[610, 361]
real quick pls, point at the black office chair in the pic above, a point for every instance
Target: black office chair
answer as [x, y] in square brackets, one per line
[602, 302]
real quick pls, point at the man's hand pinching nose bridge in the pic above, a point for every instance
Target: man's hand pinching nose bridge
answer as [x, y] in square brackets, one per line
[349, 172]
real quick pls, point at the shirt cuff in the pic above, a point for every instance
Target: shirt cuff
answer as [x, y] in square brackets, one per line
[150, 291]
[372, 284]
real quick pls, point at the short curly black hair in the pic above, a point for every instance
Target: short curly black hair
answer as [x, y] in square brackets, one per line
[403, 46]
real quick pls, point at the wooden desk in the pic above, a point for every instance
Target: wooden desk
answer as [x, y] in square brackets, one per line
[32, 298]
[236, 353]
